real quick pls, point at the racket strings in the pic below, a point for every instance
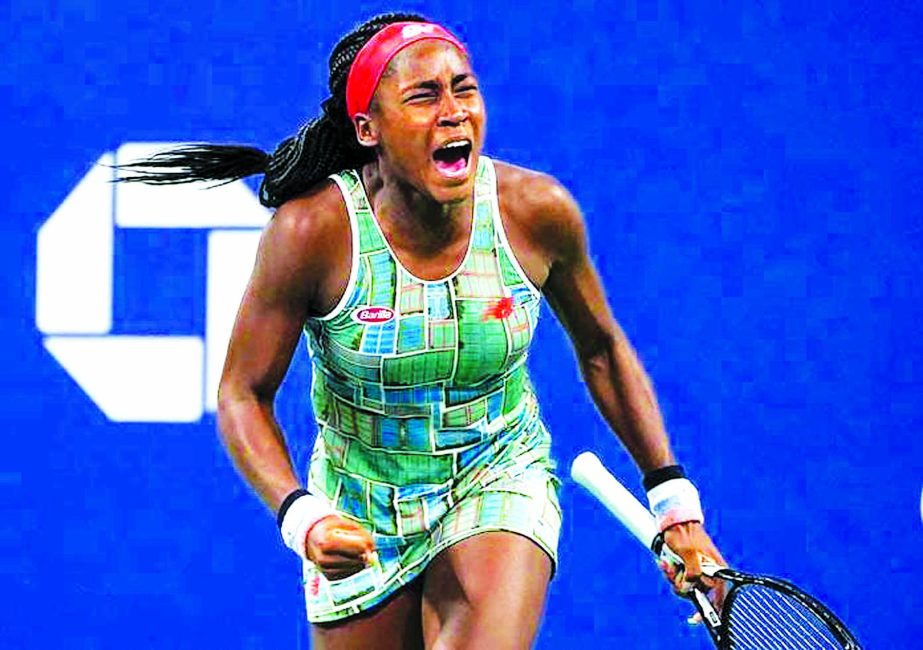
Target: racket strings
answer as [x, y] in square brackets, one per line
[764, 619]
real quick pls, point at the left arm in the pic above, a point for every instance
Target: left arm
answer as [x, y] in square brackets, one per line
[618, 384]
[608, 363]
[553, 235]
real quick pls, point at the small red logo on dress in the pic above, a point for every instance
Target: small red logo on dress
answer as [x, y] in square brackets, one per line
[500, 309]
[372, 315]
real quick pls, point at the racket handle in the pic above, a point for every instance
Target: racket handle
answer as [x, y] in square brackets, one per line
[588, 471]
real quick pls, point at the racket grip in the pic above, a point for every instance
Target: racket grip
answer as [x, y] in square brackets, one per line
[588, 471]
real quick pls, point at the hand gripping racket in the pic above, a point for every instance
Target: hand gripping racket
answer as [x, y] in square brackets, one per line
[759, 612]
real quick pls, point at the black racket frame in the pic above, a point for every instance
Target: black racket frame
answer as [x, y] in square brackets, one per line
[738, 579]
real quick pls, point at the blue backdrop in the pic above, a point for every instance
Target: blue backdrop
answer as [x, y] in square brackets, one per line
[751, 178]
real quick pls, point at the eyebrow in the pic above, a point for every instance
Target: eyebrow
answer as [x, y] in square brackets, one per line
[430, 84]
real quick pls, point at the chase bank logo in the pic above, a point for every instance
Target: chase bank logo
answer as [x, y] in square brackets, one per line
[141, 378]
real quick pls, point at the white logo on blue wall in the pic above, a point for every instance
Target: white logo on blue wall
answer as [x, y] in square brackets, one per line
[141, 378]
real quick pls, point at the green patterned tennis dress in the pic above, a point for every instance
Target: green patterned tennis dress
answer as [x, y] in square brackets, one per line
[428, 427]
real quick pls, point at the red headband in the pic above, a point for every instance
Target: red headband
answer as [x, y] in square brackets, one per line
[374, 57]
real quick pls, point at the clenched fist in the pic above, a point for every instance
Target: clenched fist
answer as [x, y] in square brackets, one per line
[339, 547]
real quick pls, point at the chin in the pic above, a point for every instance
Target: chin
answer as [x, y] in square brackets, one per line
[458, 192]
[449, 190]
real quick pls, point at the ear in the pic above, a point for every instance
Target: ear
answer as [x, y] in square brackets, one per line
[366, 130]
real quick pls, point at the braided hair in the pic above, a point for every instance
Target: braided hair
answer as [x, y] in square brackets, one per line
[325, 145]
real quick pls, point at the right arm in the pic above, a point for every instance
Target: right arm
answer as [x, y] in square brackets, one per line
[297, 273]
[276, 302]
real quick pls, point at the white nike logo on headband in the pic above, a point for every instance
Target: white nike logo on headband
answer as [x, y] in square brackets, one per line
[415, 30]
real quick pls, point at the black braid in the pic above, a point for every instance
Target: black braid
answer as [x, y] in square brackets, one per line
[327, 144]
[197, 162]
[323, 146]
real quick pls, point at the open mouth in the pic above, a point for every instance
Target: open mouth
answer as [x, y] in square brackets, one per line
[452, 158]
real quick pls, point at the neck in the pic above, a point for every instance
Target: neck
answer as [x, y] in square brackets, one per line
[414, 219]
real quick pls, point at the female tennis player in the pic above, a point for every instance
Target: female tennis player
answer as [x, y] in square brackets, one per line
[416, 265]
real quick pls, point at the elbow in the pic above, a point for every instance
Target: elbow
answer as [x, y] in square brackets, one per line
[227, 403]
[235, 399]
[228, 395]
[600, 352]
[229, 392]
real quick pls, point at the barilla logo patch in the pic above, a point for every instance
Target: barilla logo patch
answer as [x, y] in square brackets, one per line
[372, 315]
[415, 30]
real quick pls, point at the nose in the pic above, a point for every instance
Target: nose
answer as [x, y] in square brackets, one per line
[452, 112]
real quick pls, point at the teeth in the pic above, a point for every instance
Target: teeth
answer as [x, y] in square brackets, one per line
[457, 143]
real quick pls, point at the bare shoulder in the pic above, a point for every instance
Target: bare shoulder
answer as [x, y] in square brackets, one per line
[304, 223]
[305, 249]
[539, 206]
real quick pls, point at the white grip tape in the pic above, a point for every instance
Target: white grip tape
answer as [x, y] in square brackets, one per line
[304, 512]
[675, 502]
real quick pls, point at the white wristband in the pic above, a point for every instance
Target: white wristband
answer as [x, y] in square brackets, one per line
[304, 512]
[675, 502]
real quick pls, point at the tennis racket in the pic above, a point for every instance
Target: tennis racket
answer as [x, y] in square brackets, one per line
[759, 612]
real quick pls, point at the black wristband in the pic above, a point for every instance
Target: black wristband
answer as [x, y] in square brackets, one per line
[287, 503]
[660, 475]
